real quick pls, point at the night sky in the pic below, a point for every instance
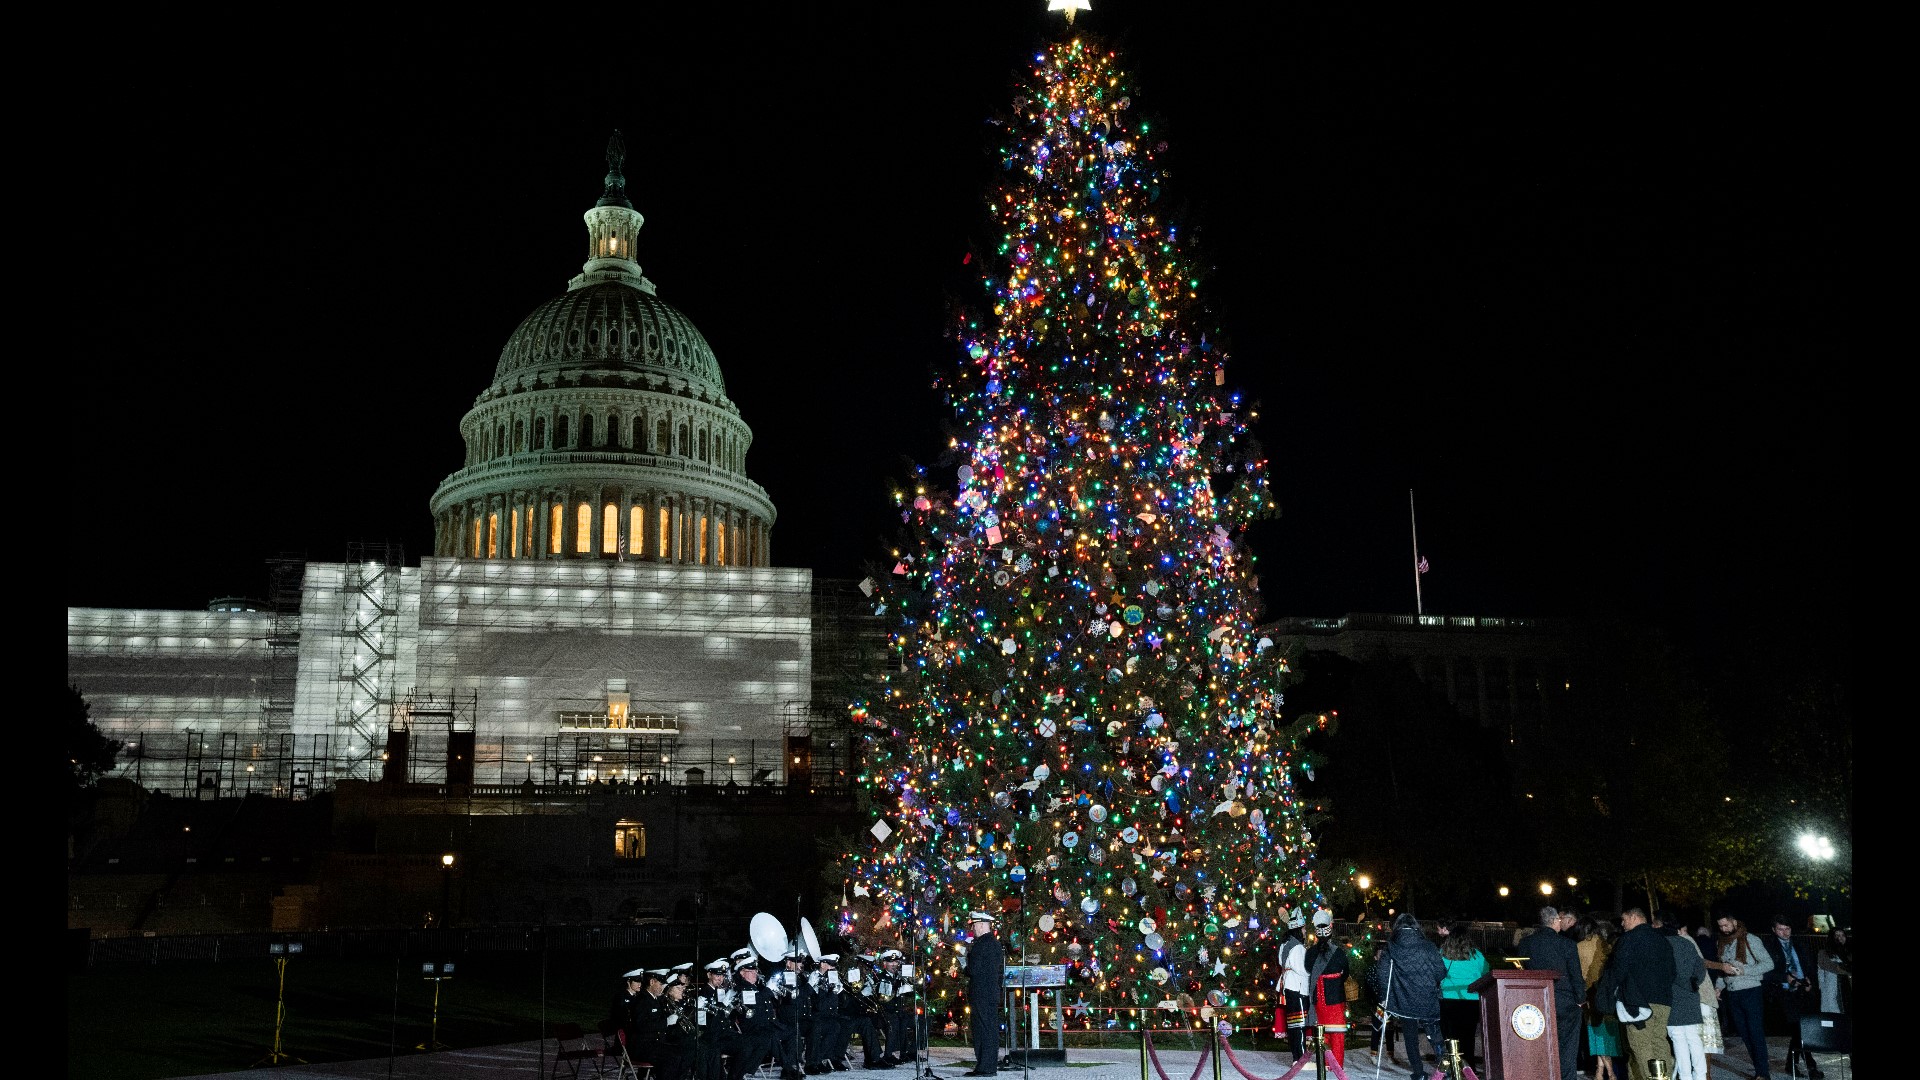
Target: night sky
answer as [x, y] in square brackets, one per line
[1572, 282]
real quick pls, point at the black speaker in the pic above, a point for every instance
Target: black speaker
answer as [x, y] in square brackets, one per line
[1827, 1033]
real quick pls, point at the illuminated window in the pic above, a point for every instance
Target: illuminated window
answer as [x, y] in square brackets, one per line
[513, 541]
[609, 530]
[529, 548]
[493, 536]
[703, 540]
[582, 529]
[630, 840]
[720, 542]
[665, 550]
[556, 528]
[473, 548]
[637, 529]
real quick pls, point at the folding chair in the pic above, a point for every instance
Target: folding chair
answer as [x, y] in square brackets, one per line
[1826, 1033]
[573, 1049]
[629, 1068]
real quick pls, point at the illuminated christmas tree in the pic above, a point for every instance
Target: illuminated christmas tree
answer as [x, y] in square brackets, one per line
[1085, 729]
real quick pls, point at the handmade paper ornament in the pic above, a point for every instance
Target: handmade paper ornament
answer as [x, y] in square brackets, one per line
[1089, 905]
[1130, 834]
[1096, 854]
[1147, 925]
[1041, 772]
[1060, 893]
[1133, 615]
[1046, 924]
[1096, 813]
[1053, 863]
[1161, 975]
[1008, 646]
[1018, 874]
[1128, 887]
[1002, 799]
[1047, 727]
[1070, 840]
[1155, 942]
[965, 474]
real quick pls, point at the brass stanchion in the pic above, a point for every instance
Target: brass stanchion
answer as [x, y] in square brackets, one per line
[1143, 1052]
[1657, 1070]
[1453, 1061]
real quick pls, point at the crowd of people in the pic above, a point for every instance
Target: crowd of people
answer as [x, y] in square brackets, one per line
[1627, 993]
[802, 1015]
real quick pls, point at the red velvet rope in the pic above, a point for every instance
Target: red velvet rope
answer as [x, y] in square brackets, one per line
[1146, 1039]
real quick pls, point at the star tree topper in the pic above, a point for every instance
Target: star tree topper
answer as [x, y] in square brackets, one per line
[1070, 6]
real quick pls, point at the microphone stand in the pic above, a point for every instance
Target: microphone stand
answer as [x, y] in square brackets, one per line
[923, 1021]
[1019, 997]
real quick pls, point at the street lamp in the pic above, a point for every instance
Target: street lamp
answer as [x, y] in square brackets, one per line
[446, 889]
[1363, 882]
[1817, 848]
[529, 768]
[1546, 888]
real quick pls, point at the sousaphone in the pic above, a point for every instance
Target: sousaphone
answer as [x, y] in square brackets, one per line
[769, 937]
[808, 941]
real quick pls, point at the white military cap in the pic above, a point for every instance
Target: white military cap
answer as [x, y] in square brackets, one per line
[636, 973]
[891, 954]
[740, 952]
[829, 958]
[980, 916]
[682, 969]
[719, 965]
[746, 962]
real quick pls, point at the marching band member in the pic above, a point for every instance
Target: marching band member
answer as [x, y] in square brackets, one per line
[793, 1009]
[626, 1011]
[714, 1031]
[895, 992]
[663, 1042]
[830, 1030]
[866, 1015]
[759, 1027]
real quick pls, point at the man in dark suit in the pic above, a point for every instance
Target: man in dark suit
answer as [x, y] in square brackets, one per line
[1546, 949]
[1789, 986]
[986, 971]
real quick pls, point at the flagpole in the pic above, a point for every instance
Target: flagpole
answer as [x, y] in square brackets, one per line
[1419, 607]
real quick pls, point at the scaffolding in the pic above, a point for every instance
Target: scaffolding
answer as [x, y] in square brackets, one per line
[368, 646]
[433, 734]
[284, 581]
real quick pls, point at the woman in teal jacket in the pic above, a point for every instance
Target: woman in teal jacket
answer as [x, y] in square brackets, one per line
[1459, 1005]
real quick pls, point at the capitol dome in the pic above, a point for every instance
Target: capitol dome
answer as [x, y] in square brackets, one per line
[607, 432]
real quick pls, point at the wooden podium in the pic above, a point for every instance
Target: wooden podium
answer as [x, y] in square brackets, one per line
[1517, 1025]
